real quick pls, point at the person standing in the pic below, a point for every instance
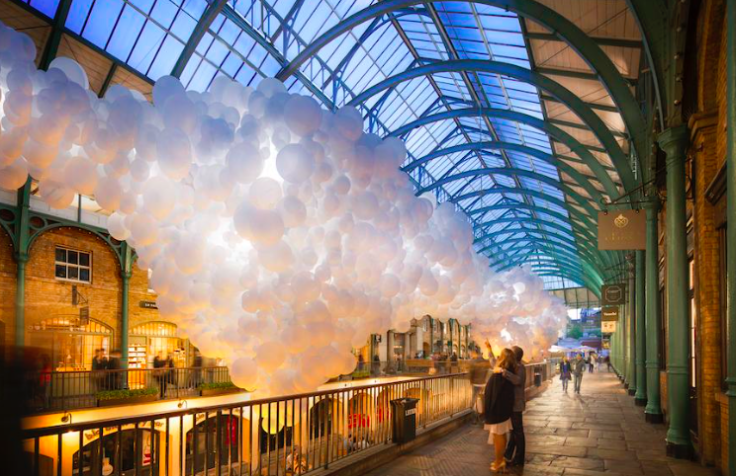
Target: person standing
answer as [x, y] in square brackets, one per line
[115, 375]
[159, 373]
[591, 362]
[478, 376]
[498, 402]
[565, 372]
[99, 367]
[578, 367]
[516, 449]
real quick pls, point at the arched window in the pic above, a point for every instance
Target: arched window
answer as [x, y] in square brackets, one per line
[69, 341]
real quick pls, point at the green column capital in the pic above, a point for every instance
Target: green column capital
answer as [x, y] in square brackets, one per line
[674, 141]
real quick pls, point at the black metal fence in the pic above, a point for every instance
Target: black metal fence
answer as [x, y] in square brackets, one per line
[59, 391]
[279, 436]
[288, 435]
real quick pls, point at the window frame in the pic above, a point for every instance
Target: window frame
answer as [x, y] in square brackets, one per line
[67, 265]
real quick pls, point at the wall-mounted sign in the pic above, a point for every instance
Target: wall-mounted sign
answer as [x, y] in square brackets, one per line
[148, 304]
[622, 230]
[84, 316]
[613, 294]
[609, 314]
[608, 327]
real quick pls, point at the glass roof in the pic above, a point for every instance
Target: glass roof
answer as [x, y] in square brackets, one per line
[251, 39]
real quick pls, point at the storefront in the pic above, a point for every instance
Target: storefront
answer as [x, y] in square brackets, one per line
[151, 338]
[70, 342]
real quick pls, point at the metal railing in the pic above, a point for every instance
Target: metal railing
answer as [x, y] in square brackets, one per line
[59, 391]
[278, 436]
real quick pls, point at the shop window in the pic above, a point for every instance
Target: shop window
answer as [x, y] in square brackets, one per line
[70, 343]
[73, 265]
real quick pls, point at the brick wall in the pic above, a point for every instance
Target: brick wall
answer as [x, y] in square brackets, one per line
[707, 288]
[708, 150]
[46, 296]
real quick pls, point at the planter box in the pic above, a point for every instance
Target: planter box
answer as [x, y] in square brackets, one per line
[208, 392]
[127, 401]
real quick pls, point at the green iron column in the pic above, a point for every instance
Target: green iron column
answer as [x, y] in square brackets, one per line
[125, 272]
[21, 258]
[631, 324]
[653, 410]
[641, 382]
[731, 225]
[625, 343]
[674, 142]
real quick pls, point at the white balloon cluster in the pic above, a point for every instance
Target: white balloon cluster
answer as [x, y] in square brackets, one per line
[279, 235]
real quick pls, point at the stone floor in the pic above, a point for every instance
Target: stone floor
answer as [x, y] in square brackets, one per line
[599, 432]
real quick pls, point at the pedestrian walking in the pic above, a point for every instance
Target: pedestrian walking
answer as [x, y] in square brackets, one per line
[565, 372]
[499, 405]
[591, 362]
[516, 448]
[578, 367]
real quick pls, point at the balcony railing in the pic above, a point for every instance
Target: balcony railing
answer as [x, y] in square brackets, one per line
[60, 391]
[289, 435]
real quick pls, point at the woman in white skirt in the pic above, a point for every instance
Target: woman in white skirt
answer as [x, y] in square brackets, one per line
[499, 404]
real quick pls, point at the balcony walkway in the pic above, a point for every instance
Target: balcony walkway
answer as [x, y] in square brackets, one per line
[600, 432]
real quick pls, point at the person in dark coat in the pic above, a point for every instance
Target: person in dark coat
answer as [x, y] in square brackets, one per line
[159, 373]
[499, 405]
[115, 377]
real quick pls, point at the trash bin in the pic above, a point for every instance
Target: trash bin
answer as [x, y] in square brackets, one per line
[537, 379]
[404, 419]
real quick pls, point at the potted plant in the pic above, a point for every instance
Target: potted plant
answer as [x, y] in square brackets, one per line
[217, 388]
[126, 397]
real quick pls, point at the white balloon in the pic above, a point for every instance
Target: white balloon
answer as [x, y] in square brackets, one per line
[295, 163]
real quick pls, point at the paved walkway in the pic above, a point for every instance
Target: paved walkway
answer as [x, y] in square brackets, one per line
[600, 432]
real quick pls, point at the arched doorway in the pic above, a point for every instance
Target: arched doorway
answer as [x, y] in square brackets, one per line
[150, 338]
[70, 341]
[202, 448]
[119, 455]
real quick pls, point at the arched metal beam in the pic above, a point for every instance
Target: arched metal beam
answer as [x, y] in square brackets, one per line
[563, 248]
[510, 172]
[589, 221]
[587, 249]
[568, 272]
[538, 252]
[566, 30]
[532, 258]
[563, 166]
[595, 288]
[576, 105]
[519, 191]
[533, 208]
[551, 247]
[579, 149]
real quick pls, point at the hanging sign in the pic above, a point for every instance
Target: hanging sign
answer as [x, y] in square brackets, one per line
[622, 230]
[613, 294]
[609, 314]
[608, 327]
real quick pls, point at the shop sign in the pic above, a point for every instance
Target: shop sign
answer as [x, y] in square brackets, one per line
[148, 305]
[84, 316]
[622, 230]
[613, 294]
[608, 327]
[609, 314]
